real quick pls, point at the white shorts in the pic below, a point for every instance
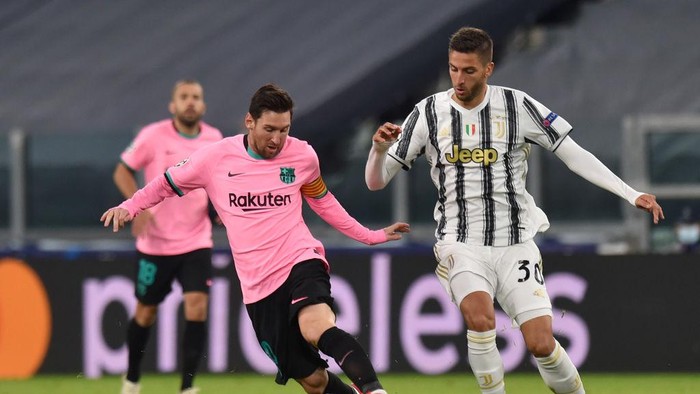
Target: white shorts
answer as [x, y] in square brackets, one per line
[512, 275]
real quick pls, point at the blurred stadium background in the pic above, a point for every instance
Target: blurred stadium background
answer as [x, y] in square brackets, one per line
[80, 77]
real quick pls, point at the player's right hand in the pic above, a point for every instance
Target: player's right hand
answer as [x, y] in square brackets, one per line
[386, 135]
[648, 203]
[117, 216]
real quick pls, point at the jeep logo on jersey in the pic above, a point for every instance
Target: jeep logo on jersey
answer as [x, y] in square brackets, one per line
[287, 175]
[251, 202]
[477, 155]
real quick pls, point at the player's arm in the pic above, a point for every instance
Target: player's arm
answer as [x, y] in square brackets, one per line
[377, 174]
[322, 201]
[125, 179]
[593, 170]
[395, 147]
[154, 192]
[190, 174]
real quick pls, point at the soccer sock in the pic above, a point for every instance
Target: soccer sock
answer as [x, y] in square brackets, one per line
[136, 340]
[192, 348]
[336, 386]
[485, 361]
[559, 373]
[351, 358]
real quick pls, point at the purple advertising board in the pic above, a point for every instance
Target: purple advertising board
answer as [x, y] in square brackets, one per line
[611, 313]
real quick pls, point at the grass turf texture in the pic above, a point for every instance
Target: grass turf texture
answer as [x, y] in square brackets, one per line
[596, 383]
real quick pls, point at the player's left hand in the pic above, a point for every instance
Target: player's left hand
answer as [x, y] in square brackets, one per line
[394, 231]
[117, 216]
[648, 203]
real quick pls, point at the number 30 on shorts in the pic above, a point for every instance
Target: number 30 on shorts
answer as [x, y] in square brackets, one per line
[523, 266]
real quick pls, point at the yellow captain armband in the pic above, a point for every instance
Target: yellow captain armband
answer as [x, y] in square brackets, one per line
[316, 189]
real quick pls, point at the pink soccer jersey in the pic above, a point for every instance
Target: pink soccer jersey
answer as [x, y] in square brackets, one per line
[260, 203]
[179, 225]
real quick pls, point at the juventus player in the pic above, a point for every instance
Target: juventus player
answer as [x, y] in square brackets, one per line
[476, 138]
[257, 183]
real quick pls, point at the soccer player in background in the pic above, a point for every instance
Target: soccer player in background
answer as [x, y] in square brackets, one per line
[256, 183]
[173, 238]
[476, 138]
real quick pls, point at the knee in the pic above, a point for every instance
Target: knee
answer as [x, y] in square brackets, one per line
[314, 320]
[315, 383]
[478, 312]
[145, 315]
[541, 346]
[196, 307]
[480, 322]
[538, 336]
[312, 332]
[198, 313]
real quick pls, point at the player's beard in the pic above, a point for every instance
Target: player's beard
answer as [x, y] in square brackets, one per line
[189, 120]
[471, 94]
[269, 154]
[261, 148]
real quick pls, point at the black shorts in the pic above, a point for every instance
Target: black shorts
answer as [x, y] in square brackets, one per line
[275, 321]
[155, 274]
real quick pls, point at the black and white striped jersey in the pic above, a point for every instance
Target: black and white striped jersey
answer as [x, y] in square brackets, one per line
[478, 161]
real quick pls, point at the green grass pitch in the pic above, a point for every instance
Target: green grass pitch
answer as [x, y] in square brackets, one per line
[516, 383]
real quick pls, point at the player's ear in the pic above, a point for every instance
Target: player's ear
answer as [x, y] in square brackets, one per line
[249, 122]
[489, 69]
[171, 107]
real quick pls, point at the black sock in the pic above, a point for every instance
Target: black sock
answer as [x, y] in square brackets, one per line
[336, 386]
[351, 358]
[192, 348]
[136, 340]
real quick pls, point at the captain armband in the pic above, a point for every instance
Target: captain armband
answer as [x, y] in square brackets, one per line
[316, 189]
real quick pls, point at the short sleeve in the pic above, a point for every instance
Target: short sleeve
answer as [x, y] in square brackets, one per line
[139, 152]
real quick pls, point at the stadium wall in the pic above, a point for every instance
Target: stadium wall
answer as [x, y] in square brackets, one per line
[67, 313]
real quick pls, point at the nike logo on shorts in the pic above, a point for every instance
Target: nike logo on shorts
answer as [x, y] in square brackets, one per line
[294, 301]
[232, 174]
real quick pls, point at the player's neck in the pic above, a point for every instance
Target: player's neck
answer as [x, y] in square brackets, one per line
[189, 131]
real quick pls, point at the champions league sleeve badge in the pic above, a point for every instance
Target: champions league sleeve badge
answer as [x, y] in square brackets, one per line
[549, 119]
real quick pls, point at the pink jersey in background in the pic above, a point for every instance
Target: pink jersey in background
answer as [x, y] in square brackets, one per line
[179, 225]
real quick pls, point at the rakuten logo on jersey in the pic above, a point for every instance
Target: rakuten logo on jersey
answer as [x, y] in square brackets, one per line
[250, 202]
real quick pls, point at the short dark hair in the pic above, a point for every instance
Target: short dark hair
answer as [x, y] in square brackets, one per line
[473, 40]
[270, 97]
[186, 81]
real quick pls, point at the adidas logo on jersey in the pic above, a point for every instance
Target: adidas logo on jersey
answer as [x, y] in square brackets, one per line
[477, 155]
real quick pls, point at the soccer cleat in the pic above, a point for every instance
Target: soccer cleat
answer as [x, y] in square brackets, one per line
[357, 391]
[191, 390]
[129, 387]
